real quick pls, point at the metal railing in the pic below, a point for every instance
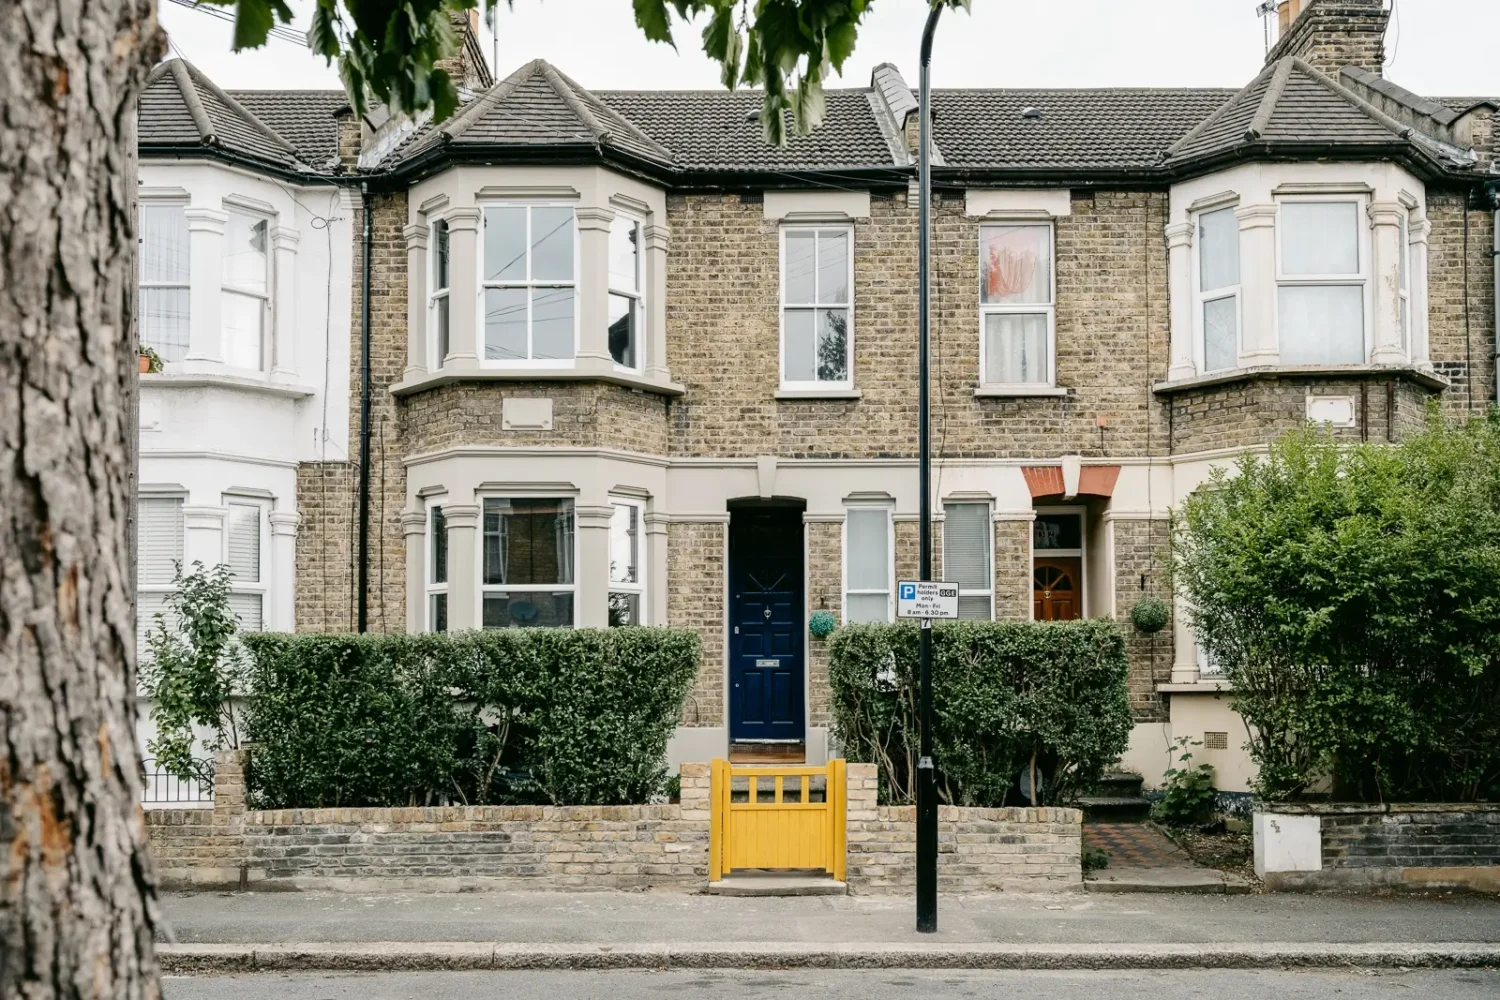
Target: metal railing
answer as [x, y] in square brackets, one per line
[161, 788]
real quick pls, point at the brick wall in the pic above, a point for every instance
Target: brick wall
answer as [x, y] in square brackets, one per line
[1013, 574]
[1461, 323]
[825, 583]
[583, 414]
[1141, 552]
[979, 850]
[1332, 34]
[202, 848]
[695, 600]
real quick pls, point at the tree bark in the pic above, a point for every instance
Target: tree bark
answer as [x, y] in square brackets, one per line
[76, 898]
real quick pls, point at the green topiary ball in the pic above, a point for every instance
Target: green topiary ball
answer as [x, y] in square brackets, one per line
[1150, 615]
[822, 624]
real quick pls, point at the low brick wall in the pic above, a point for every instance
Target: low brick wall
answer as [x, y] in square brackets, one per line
[979, 850]
[204, 847]
[1393, 846]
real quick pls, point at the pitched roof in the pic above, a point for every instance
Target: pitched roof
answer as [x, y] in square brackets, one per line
[182, 107]
[302, 117]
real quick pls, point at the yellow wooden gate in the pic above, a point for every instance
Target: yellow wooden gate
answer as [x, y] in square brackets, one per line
[769, 821]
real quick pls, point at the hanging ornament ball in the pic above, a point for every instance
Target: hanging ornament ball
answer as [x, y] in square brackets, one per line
[1150, 615]
[821, 624]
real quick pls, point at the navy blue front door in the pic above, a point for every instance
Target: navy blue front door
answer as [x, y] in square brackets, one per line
[765, 618]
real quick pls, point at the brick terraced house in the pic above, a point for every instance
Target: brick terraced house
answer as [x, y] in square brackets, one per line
[629, 364]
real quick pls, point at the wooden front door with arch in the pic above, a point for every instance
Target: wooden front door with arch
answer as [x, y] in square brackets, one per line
[1056, 594]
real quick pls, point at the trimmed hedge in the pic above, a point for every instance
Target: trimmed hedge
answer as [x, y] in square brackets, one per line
[560, 716]
[1005, 694]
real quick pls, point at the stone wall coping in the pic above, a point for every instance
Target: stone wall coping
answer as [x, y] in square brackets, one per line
[459, 814]
[975, 814]
[1371, 809]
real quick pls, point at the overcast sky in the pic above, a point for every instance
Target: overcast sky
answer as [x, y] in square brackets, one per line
[1434, 47]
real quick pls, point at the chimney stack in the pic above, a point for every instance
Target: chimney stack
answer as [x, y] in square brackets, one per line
[1332, 34]
[467, 65]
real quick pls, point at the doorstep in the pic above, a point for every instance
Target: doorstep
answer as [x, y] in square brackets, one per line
[768, 753]
[778, 883]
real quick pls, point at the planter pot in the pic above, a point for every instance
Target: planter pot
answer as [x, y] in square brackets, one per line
[145, 363]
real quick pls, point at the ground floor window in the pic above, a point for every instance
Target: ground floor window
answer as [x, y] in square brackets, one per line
[244, 545]
[1057, 565]
[627, 576]
[527, 563]
[967, 541]
[867, 564]
[160, 534]
[437, 569]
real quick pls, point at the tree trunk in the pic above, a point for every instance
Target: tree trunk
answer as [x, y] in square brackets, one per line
[75, 884]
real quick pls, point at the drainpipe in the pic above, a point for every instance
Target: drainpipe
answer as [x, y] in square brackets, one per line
[1494, 193]
[363, 601]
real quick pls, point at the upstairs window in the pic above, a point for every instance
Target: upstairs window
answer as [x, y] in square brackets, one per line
[242, 553]
[527, 563]
[165, 274]
[868, 568]
[1321, 283]
[438, 305]
[1016, 313]
[625, 292]
[967, 540]
[437, 569]
[627, 572]
[160, 533]
[817, 288]
[1219, 288]
[530, 284]
[246, 290]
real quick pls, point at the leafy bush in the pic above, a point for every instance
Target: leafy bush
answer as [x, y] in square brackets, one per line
[1188, 796]
[1352, 596]
[563, 716]
[1008, 697]
[1150, 615]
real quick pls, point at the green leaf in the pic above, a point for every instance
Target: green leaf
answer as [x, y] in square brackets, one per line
[652, 18]
[322, 33]
[253, 20]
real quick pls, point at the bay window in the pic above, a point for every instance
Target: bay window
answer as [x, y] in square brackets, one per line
[527, 563]
[627, 575]
[1404, 284]
[437, 569]
[1219, 288]
[1016, 314]
[1321, 280]
[161, 532]
[625, 292]
[243, 549]
[868, 567]
[817, 290]
[438, 306]
[530, 288]
[967, 541]
[246, 290]
[165, 274]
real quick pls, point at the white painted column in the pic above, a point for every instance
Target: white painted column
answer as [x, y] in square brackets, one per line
[414, 528]
[206, 252]
[1420, 231]
[416, 301]
[463, 565]
[593, 288]
[1385, 264]
[1185, 645]
[205, 536]
[284, 242]
[593, 564]
[282, 613]
[1180, 283]
[656, 569]
[465, 310]
[1258, 284]
[658, 240]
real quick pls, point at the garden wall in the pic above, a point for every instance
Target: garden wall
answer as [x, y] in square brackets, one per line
[1392, 846]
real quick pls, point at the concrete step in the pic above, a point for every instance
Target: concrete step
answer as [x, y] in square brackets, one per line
[776, 883]
[1177, 879]
[1120, 783]
[1114, 808]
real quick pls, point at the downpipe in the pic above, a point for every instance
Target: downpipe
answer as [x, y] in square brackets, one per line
[367, 243]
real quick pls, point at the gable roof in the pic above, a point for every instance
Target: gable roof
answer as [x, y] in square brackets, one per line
[302, 117]
[180, 107]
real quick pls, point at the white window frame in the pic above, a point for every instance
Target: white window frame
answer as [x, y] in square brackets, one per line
[266, 298]
[890, 582]
[1029, 308]
[1207, 666]
[261, 586]
[481, 588]
[1201, 299]
[144, 285]
[438, 295]
[642, 560]
[528, 284]
[638, 297]
[1081, 554]
[989, 519]
[802, 385]
[162, 589]
[1362, 279]
[430, 587]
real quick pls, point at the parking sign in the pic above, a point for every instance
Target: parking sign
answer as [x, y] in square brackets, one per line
[932, 599]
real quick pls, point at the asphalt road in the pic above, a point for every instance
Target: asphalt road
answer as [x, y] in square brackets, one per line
[1467, 984]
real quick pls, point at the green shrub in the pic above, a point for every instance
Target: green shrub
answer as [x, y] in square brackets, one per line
[562, 716]
[1188, 795]
[1352, 596]
[1007, 697]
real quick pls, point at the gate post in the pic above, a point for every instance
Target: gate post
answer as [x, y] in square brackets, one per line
[718, 786]
[838, 799]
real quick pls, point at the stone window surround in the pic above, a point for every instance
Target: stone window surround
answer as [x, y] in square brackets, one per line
[1386, 211]
[597, 197]
[887, 505]
[204, 364]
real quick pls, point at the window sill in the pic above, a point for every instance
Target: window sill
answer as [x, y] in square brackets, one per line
[1424, 377]
[1020, 392]
[795, 394]
[1196, 687]
[420, 382]
[244, 383]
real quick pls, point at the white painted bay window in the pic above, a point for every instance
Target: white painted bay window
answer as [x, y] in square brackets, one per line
[527, 563]
[530, 287]
[1218, 287]
[244, 547]
[437, 569]
[438, 305]
[246, 290]
[1016, 306]
[627, 564]
[165, 279]
[817, 296]
[161, 532]
[1321, 278]
[967, 543]
[625, 306]
[869, 571]
[1404, 284]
